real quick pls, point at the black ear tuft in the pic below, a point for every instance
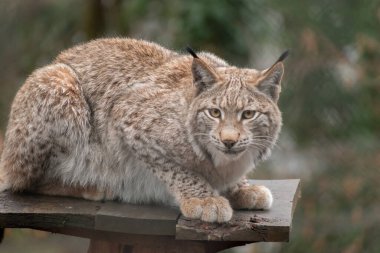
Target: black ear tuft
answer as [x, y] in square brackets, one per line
[191, 51]
[283, 56]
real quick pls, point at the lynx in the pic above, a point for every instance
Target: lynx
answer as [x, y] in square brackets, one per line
[124, 119]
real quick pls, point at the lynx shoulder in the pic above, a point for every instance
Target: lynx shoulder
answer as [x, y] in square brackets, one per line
[130, 120]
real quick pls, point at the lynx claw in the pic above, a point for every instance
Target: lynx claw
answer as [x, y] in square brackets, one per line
[210, 209]
[252, 197]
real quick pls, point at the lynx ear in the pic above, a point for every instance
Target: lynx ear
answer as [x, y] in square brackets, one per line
[204, 76]
[270, 83]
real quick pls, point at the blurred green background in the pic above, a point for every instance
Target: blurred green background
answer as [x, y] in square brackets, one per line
[330, 99]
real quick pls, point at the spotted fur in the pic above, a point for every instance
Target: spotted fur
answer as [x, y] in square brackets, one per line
[128, 119]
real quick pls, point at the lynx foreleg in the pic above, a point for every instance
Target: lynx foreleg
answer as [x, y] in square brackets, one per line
[151, 145]
[196, 198]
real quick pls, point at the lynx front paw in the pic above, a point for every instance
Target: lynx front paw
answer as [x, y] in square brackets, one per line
[95, 196]
[252, 197]
[4, 185]
[210, 209]
[92, 193]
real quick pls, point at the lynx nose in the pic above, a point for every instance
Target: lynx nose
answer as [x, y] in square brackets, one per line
[229, 136]
[229, 143]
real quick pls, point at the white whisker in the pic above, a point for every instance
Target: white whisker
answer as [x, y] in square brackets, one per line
[200, 134]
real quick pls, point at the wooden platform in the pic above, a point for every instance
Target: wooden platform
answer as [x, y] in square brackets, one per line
[151, 226]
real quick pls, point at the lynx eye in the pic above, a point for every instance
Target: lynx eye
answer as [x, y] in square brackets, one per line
[249, 114]
[215, 113]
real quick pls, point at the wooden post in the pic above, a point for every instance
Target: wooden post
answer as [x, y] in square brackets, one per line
[97, 246]
[106, 247]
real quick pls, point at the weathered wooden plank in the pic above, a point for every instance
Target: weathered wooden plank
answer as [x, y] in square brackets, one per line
[26, 210]
[273, 225]
[137, 219]
[45, 212]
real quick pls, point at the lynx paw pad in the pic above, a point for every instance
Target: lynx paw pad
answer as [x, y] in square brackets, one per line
[252, 197]
[210, 209]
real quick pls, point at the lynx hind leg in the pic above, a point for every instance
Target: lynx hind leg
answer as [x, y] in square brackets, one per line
[47, 112]
[76, 191]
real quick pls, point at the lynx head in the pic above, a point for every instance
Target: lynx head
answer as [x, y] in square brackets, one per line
[235, 111]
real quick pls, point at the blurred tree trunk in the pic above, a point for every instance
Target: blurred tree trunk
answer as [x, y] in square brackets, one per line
[94, 21]
[117, 22]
